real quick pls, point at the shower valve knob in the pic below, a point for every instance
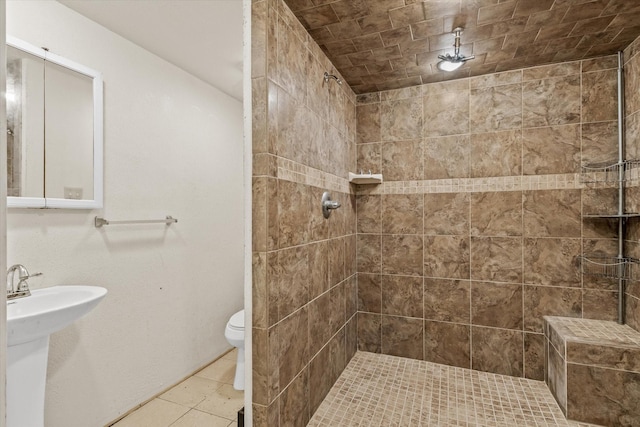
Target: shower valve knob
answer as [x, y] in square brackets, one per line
[328, 204]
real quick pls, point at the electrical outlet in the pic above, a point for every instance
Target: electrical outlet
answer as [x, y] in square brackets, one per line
[73, 193]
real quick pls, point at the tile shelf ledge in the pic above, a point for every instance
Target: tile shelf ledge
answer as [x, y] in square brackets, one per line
[365, 178]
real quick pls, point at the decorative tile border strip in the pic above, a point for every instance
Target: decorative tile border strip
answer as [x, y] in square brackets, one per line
[290, 170]
[477, 185]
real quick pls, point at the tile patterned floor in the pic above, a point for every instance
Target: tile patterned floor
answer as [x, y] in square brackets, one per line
[207, 399]
[383, 391]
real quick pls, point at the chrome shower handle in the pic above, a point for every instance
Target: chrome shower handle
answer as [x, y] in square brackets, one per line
[328, 204]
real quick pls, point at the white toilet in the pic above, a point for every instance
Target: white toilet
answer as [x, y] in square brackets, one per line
[234, 332]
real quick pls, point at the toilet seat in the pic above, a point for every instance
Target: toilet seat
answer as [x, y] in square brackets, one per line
[237, 321]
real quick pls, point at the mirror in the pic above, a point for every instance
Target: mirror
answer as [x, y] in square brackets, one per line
[54, 130]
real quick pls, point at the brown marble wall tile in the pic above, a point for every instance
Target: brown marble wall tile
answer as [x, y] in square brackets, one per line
[296, 129]
[551, 101]
[497, 350]
[293, 344]
[446, 157]
[258, 38]
[350, 255]
[604, 356]
[351, 338]
[368, 123]
[496, 213]
[370, 292]
[369, 157]
[292, 62]
[599, 228]
[260, 291]
[293, 283]
[496, 79]
[259, 115]
[293, 215]
[534, 356]
[447, 343]
[599, 201]
[600, 63]
[369, 253]
[337, 298]
[632, 199]
[319, 381]
[599, 96]
[402, 296]
[294, 402]
[402, 213]
[446, 108]
[549, 301]
[447, 257]
[632, 132]
[632, 310]
[551, 262]
[336, 261]
[369, 332]
[402, 160]
[401, 120]
[496, 154]
[266, 416]
[599, 141]
[318, 268]
[262, 375]
[553, 70]
[601, 305]
[552, 213]
[551, 150]
[496, 108]
[557, 376]
[402, 254]
[319, 328]
[403, 336]
[272, 277]
[496, 304]
[497, 259]
[447, 300]
[446, 213]
[602, 396]
[632, 85]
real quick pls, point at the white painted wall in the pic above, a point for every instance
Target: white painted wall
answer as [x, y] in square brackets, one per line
[173, 146]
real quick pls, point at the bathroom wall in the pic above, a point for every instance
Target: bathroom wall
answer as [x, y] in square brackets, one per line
[172, 146]
[304, 281]
[632, 139]
[473, 236]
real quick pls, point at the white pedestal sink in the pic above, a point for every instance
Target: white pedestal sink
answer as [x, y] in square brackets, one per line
[30, 322]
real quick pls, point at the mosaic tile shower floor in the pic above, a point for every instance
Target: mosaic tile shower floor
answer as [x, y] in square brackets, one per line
[381, 390]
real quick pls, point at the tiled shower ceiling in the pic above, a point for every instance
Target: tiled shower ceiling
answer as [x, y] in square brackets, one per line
[389, 44]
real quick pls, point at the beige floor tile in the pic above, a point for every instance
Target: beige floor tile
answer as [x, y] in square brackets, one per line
[225, 402]
[232, 355]
[157, 413]
[222, 370]
[191, 391]
[195, 418]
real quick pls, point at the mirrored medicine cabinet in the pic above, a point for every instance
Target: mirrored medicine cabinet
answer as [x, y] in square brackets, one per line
[54, 130]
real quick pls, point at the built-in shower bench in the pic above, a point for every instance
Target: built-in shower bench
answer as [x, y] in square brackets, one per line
[592, 368]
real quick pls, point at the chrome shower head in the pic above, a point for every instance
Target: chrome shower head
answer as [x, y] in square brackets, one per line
[328, 76]
[453, 62]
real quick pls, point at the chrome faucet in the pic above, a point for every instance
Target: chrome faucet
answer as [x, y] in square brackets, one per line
[22, 290]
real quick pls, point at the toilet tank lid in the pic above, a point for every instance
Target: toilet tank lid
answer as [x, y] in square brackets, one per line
[237, 320]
